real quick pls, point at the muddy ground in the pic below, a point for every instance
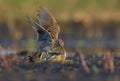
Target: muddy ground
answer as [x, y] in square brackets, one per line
[20, 69]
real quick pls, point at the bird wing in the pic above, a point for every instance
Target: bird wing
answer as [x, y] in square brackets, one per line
[42, 34]
[47, 20]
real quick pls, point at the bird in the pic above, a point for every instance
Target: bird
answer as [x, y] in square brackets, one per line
[58, 52]
[48, 30]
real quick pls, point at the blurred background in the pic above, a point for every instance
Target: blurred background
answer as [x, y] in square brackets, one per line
[85, 24]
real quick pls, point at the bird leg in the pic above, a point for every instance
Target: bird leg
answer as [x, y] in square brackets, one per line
[51, 56]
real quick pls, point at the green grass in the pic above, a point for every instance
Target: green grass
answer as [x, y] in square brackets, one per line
[14, 12]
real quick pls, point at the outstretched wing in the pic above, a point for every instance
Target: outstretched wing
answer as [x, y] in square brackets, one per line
[42, 34]
[47, 20]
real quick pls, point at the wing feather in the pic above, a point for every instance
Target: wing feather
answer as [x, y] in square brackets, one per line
[42, 34]
[47, 20]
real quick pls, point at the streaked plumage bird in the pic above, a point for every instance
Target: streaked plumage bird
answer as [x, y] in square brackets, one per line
[47, 32]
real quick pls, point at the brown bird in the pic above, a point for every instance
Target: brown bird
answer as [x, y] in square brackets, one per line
[58, 52]
[47, 32]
